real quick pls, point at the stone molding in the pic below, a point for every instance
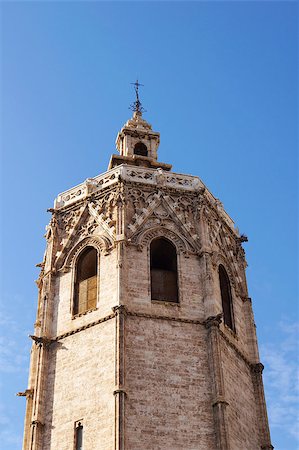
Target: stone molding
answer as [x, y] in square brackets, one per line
[84, 327]
[213, 321]
[100, 243]
[119, 391]
[144, 238]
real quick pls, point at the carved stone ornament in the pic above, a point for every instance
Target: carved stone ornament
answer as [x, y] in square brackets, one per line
[119, 309]
[144, 238]
[152, 210]
[51, 229]
[225, 249]
[93, 220]
[102, 243]
[213, 321]
[257, 368]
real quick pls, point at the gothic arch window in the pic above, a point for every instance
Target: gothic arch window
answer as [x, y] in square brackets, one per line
[140, 149]
[86, 281]
[164, 272]
[226, 298]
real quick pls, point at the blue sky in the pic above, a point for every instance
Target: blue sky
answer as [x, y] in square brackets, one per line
[220, 86]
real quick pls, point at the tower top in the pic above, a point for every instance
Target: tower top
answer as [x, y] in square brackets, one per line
[137, 106]
[136, 142]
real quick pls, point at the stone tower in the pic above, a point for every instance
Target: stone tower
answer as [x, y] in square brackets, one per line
[144, 337]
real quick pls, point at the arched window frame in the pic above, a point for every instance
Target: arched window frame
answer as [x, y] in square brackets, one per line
[226, 273]
[74, 275]
[178, 261]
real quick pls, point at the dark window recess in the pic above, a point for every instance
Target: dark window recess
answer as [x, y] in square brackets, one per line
[79, 437]
[140, 149]
[164, 273]
[86, 281]
[226, 298]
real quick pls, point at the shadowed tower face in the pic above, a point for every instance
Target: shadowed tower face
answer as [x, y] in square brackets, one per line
[144, 337]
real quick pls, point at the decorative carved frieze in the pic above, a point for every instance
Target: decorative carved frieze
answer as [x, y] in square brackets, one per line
[226, 248]
[101, 243]
[138, 175]
[95, 220]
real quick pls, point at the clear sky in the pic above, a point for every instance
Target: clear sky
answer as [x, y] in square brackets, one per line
[220, 86]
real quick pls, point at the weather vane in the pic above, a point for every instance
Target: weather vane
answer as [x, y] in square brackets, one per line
[136, 106]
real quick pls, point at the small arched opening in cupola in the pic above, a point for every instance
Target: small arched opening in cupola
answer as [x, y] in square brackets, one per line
[140, 149]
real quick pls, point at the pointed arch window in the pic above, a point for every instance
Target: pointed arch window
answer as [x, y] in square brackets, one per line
[140, 149]
[164, 273]
[226, 298]
[86, 281]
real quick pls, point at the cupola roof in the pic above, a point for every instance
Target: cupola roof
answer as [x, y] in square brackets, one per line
[136, 142]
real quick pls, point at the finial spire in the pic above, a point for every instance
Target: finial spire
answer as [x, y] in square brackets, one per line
[137, 106]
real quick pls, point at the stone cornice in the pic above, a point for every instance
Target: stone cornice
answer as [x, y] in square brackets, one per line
[146, 176]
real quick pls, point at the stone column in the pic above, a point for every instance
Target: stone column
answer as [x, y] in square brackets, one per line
[251, 341]
[119, 392]
[219, 404]
[36, 424]
[29, 393]
[34, 420]
[212, 306]
[262, 417]
[120, 313]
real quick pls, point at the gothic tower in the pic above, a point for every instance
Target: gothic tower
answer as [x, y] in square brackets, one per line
[144, 337]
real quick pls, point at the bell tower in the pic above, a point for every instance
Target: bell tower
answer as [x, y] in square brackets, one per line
[144, 336]
[136, 142]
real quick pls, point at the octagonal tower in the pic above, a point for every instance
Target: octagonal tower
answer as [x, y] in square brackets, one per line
[144, 337]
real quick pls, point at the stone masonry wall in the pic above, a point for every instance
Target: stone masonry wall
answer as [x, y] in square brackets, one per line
[62, 320]
[79, 386]
[242, 412]
[138, 293]
[168, 404]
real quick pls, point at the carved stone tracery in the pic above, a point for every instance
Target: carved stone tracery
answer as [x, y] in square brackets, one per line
[101, 243]
[144, 238]
[149, 210]
[91, 222]
[225, 248]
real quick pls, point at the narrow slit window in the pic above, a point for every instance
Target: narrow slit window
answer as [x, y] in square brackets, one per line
[226, 298]
[79, 436]
[86, 284]
[164, 273]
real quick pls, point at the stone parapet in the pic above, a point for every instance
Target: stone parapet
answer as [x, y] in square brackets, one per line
[146, 176]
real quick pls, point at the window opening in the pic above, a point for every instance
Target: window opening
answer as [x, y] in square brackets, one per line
[164, 274]
[86, 281]
[226, 298]
[140, 149]
[79, 436]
